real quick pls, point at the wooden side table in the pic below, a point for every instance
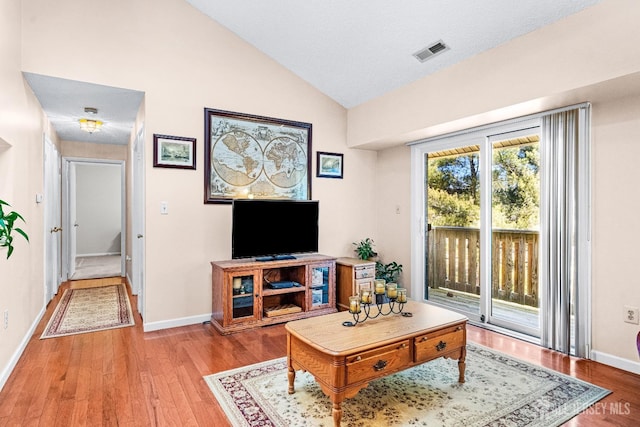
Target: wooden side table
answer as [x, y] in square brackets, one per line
[351, 273]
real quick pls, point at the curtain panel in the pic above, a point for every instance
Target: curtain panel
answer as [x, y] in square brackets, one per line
[565, 279]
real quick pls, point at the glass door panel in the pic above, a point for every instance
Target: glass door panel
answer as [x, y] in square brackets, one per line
[243, 302]
[453, 230]
[515, 223]
[319, 286]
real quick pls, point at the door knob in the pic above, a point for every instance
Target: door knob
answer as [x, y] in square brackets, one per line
[140, 236]
[55, 229]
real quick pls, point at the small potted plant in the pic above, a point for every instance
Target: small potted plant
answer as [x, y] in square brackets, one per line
[389, 272]
[364, 249]
[6, 227]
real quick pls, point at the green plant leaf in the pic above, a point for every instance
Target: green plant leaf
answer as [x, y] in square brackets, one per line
[19, 230]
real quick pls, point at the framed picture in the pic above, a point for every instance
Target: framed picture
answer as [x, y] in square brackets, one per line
[174, 152]
[247, 156]
[329, 165]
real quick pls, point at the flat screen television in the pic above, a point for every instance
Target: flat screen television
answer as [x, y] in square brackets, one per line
[274, 229]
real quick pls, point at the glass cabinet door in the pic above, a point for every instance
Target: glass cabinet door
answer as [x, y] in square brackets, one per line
[243, 299]
[319, 285]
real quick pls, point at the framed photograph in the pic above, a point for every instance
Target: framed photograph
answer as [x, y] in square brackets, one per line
[247, 156]
[174, 152]
[329, 165]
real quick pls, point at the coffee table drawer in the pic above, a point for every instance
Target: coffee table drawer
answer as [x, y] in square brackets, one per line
[379, 362]
[433, 345]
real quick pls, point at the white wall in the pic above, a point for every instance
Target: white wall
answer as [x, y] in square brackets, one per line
[99, 208]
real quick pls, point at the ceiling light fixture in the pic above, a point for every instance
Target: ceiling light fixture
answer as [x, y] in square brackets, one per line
[89, 125]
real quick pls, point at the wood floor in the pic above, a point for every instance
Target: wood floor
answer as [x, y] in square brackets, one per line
[125, 377]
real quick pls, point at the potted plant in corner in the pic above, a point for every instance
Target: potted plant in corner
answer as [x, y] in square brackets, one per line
[6, 227]
[364, 249]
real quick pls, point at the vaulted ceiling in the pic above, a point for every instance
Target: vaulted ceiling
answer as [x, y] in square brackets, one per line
[352, 51]
[356, 50]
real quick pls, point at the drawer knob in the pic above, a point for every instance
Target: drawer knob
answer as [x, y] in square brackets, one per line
[423, 339]
[459, 328]
[441, 346]
[358, 358]
[380, 365]
[403, 345]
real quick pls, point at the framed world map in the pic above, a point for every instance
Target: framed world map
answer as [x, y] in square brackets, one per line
[256, 157]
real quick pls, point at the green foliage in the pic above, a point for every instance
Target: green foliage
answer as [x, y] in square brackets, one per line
[6, 228]
[452, 210]
[389, 272]
[516, 183]
[364, 249]
[454, 189]
[457, 176]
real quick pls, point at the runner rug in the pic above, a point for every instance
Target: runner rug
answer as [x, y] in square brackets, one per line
[499, 391]
[89, 310]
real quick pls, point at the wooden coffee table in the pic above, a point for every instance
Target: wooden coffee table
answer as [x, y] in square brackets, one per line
[344, 360]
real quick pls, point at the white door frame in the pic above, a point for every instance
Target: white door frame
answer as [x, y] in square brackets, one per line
[137, 280]
[481, 137]
[68, 217]
[52, 220]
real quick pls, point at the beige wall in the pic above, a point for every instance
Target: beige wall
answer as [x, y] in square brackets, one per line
[540, 70]
[21, 165]
[90, 150]
[616, 203]
[549, 68]
[184, 62]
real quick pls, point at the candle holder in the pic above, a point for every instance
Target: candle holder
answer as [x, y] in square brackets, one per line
[389, 301]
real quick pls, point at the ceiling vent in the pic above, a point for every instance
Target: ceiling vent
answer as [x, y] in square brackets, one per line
[429, 51]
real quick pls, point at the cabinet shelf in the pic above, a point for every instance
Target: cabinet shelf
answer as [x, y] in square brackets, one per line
[261, 305]
[269, 291]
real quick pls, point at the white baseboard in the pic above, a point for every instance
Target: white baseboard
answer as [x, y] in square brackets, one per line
[616, 362]
[175, 323]
[6, 372]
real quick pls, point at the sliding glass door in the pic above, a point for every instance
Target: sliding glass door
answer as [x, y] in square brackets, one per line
[515, 229]
[482, 201]
[453, 230]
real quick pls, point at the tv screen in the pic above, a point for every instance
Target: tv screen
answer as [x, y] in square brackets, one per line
[274, 229]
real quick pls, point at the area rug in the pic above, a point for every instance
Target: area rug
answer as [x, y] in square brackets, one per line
[89, 310]
[499, 391]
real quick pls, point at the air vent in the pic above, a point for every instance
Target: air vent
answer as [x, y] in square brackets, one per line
[428, 52]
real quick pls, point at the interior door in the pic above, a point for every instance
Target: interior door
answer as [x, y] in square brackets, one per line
[52, 219]
[137, 259]
[73, 220]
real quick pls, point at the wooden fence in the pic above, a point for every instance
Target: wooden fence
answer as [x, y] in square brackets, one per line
[453, 262]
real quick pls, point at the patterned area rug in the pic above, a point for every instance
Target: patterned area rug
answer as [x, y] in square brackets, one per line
[499, 391]
[89, 310]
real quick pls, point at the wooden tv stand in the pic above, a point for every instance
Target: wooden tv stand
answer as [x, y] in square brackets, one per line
[243, 297]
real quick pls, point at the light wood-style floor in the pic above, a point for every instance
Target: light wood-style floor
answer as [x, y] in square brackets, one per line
[126, 377]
